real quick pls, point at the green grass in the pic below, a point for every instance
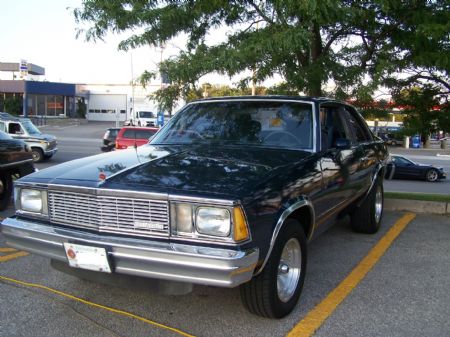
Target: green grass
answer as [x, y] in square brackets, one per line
[417, 196]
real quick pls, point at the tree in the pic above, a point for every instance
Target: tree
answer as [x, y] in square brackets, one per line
[422, 107]
[420, 39]
[351, 46]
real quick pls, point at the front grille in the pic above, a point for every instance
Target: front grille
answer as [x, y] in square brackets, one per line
[52, 145]
[114, 214]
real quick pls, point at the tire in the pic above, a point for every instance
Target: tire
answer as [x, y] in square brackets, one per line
[38, 154]
[366, 218]
[432, 175]
[5, 190]
[264, 295]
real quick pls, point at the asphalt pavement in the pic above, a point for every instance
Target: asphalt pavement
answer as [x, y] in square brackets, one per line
[404, 294]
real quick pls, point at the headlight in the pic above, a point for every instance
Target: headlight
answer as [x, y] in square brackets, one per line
[203, 222]
[213, 221]
[33, 201]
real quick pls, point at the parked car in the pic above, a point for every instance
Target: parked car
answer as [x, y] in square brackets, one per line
[133, 136]
[16, 160]
[227, 193]
[392, 139]
[142, 118]
[109, 139]
[43, 146]
[400, 167]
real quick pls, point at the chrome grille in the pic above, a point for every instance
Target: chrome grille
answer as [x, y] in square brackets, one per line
[112, 214]
[52, 145]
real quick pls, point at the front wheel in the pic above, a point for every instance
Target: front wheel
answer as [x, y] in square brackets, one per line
[432, 175]
[275, 291]
[366, 218]
[38, 154]
[5, 190]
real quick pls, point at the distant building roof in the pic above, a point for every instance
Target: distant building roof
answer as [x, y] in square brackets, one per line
[33, 69]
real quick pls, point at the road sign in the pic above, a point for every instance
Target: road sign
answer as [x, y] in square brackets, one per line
[23, 68]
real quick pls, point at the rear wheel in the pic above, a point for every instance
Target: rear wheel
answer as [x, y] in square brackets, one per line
[275, 291]
[38, 154]
[5, 189]
[367, 217]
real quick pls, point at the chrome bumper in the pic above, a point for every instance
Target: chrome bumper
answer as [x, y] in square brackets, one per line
[51, 152]
[169, 261]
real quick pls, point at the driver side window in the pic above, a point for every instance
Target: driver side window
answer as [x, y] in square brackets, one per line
[15, 129]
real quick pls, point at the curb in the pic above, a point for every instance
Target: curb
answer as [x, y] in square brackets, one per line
[417, 206]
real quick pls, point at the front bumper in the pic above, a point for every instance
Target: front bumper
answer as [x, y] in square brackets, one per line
[50, 152]
[169, 261]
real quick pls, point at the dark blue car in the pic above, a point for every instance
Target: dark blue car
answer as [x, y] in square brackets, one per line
[400, 167]
[228, 193]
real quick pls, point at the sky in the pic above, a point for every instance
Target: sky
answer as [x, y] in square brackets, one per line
[43, 32]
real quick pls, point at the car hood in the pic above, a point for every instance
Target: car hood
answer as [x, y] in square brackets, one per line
[42, 136]
[174, 169]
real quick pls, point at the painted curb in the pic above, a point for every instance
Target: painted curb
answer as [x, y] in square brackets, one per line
[417, 206]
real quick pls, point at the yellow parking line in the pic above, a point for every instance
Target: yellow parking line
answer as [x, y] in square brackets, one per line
[95, 305]
[7, 250]
[10, 257]
[317, 316]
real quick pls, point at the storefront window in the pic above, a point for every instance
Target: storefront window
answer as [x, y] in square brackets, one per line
[55, 105]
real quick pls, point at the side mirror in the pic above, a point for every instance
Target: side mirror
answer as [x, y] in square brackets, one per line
[342, 143]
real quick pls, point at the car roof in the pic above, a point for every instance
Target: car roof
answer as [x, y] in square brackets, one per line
[272, 97]
[153, 128]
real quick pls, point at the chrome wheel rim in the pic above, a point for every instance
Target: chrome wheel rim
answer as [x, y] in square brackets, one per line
[35, 155]
[432, 175]
[2, 188]
[378, 204]
[289, 270]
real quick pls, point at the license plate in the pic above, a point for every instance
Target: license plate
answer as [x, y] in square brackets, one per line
[87, 257]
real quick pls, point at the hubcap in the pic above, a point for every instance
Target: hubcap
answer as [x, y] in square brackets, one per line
[432, 175]
[289, 270]
[378, 204]
[2, 188]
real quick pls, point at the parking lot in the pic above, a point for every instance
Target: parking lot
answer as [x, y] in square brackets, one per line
[356, 285]
[393, 283]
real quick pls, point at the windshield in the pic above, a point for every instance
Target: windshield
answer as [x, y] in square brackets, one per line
[146, 114]
[278, 124]
[29, 126]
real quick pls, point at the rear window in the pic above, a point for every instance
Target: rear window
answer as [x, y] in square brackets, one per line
[144, 134]
[129, 134]
[138, 134]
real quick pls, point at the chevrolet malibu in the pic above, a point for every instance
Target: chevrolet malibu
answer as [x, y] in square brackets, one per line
[229, 193]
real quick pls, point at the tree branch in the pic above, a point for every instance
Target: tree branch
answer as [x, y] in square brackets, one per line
[260, 12]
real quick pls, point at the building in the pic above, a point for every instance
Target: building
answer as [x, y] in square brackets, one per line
[96, 102]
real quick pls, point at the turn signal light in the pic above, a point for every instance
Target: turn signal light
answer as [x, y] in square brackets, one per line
[240, 225]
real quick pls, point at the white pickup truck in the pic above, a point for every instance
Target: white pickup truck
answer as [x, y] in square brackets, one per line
[143, 118]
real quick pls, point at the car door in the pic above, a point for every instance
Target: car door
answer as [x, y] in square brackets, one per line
[404, 168]
[338, 164]
[364, 155]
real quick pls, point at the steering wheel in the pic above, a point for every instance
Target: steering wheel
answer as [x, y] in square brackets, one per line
[190, 134]
[283, 134]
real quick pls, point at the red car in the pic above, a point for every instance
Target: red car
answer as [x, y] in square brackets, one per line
[133, 136]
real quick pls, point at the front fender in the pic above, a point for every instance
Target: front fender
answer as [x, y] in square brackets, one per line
[288, 209]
